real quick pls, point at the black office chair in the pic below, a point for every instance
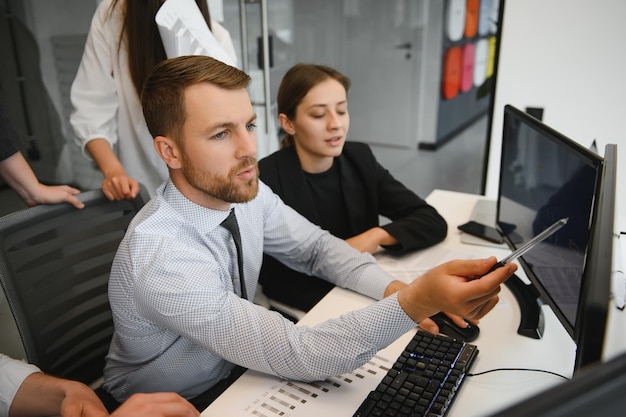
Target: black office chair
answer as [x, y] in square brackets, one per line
[54, 268]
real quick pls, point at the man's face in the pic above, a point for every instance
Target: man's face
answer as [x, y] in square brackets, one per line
[218, 147]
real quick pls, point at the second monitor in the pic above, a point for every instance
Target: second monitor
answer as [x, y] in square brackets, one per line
[545, 176]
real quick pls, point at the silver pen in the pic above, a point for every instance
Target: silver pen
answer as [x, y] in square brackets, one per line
[531, 243]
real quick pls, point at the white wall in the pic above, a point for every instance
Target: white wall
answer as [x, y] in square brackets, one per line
[569, 57]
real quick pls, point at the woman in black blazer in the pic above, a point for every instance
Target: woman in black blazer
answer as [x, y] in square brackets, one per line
[337, 185]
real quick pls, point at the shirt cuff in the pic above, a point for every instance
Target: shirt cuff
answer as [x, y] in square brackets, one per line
[374, 282]
[386, 321]
[12, 374]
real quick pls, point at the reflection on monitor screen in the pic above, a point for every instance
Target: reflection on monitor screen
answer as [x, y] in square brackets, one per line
[544, 177]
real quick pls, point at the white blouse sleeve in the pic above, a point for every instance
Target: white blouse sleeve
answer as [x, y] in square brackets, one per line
[94, 93]
[12, 374]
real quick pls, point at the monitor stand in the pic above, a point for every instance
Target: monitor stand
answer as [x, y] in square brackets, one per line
[532, 320]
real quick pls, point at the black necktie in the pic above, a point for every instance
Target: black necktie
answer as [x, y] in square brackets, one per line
[230, 223]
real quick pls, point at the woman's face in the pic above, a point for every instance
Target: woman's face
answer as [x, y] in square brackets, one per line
[320, 125]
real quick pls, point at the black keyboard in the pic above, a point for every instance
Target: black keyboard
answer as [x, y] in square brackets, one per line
[424, 379]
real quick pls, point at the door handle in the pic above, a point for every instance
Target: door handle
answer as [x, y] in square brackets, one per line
[406, 45]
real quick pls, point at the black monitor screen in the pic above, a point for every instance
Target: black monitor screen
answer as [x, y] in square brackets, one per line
[545, 176]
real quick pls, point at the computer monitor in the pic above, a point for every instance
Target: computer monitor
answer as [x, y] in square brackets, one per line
[590, 327]
[545, 176]
[598, 390]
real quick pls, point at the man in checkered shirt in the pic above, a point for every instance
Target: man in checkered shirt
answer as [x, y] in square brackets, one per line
[180, 322]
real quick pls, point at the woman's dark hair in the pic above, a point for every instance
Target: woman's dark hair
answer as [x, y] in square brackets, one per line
[141, 34]
[296, 84]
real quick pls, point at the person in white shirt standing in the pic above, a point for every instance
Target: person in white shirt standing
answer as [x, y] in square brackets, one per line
[122, 46]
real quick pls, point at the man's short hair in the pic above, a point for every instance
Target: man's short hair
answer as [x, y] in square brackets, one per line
[163, 98]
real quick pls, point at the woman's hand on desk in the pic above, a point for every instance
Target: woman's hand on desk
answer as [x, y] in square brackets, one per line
[455, 287]
[371, 239]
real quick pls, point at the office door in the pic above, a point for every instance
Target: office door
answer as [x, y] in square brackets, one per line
[381, 53]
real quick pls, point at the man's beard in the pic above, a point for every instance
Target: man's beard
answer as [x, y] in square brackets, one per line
[224, 188]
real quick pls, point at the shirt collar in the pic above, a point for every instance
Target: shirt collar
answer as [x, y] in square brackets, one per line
[201, 217]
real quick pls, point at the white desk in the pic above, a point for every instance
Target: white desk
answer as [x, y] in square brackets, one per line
[499, 344]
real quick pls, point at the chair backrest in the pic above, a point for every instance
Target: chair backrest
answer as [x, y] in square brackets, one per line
[54, 268]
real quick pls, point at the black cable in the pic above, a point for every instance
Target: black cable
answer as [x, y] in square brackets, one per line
[518, 369]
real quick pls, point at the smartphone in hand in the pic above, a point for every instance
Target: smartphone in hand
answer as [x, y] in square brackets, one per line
[482, 231]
